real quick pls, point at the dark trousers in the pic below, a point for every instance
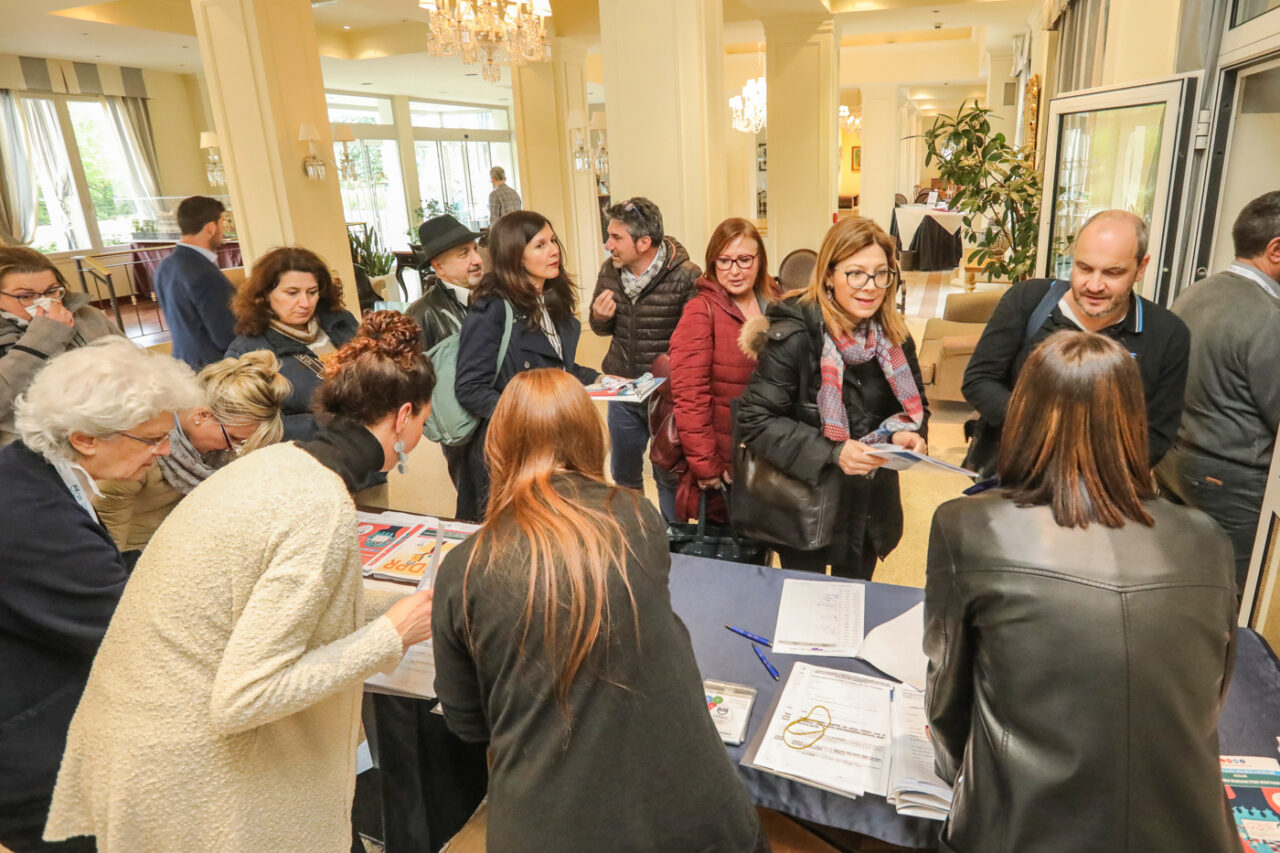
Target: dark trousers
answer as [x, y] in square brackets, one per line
[629, 439]
[1229, 493]
[472, 478]
[455, 457]
[431, 781]
[859, 566]
[22, 828]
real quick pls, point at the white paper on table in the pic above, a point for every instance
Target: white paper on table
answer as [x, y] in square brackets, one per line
[852, 756]
[896, 647]
[819, 618]
[901, 459]
[415, 676]
[914, 787]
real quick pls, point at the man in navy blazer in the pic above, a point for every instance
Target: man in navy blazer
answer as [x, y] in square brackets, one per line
[194, 294]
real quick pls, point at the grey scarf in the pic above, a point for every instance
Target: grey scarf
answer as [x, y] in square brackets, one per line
[184, 468]
[633, 284]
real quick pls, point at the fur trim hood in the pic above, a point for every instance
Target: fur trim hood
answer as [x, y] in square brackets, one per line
[752, 338]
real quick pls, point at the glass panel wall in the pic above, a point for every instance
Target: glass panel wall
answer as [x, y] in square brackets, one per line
[377, 197]
[358, 109]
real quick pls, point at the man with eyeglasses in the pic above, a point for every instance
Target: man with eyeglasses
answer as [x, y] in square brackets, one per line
[39, 319]
[640, 292]
[1108, 259]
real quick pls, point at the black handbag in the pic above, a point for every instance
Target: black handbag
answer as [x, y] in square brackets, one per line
[984, 448]
[773, 506]
[716, 541]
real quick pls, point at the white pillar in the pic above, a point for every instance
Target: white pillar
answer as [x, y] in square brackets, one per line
[663, 78]
[802, 70]
[999, 73]
[881, 137]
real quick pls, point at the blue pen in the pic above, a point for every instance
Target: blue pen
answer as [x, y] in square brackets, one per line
[750, 636]
[764, 660]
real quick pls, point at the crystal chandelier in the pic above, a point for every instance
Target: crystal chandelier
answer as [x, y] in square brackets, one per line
[852, 121]
[749, 107]
[512, 31]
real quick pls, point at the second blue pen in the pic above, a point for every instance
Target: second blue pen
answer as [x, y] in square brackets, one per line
[755, 638]
[764, 660]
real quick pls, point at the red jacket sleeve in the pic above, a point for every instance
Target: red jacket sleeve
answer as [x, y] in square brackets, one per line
[692, 344]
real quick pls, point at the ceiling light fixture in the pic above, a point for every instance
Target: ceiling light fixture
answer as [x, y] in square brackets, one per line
[751, 107]
[511, 30]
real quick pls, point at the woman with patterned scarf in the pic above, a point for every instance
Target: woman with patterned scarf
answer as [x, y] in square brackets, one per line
[838, 372]
[241, 412]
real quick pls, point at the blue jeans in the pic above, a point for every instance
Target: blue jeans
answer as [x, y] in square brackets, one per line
[629, 437]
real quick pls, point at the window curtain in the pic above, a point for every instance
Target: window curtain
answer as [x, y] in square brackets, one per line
[54, 169]
[1082, 33]
[18, 195]
[132, 122]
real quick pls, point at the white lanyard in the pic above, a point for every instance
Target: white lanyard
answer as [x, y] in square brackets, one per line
[75, 479]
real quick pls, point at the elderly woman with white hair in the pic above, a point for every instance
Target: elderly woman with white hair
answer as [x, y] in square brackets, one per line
[103, 411]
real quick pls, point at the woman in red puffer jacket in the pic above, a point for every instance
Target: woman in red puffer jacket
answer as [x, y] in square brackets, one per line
[708, 368]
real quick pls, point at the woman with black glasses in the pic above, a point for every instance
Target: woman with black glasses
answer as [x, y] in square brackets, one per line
[837, 373]
[38, 320]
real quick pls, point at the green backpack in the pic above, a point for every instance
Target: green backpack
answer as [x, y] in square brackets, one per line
[449, 422]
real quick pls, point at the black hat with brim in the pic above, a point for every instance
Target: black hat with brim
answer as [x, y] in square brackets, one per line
[442, 233]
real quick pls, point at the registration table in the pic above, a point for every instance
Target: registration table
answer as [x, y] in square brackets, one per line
[932, 234]
[708, 594]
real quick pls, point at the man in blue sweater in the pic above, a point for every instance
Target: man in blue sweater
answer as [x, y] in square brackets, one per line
[194, 294]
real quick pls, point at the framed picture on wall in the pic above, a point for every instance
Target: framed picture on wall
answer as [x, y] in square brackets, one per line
[857, 158]
[762, 157]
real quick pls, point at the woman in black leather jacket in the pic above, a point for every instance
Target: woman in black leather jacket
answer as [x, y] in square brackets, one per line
[1080, 631]
[838, 372]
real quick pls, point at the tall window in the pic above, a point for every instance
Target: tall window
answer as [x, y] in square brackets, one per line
[61, 224]
[376, 198]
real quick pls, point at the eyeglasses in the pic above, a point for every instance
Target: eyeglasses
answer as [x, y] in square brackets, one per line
[154, 443]
[27, 298]
[235, 445]
[857, 279]
[742, 262]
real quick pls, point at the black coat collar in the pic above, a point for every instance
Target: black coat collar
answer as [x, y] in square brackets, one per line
[349, 450]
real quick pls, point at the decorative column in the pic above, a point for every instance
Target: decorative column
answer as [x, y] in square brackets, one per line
[663, 83]
[262, 69]
[881, 148]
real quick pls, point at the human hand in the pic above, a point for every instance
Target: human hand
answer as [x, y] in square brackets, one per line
[411, 617]
[855, 458]
[911, 441]
[604, 307]
[55, 311]
[713, 483]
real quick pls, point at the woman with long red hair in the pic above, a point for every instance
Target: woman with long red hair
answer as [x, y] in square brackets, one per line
[556, 643]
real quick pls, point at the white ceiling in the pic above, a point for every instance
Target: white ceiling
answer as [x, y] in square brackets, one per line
[28, 28]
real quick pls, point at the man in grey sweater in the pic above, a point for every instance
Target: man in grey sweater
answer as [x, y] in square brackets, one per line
[1220, 460]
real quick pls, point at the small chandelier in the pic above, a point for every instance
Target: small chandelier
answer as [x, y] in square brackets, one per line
[852, 120]
[749, 108]
[509, 30]
[213, 169]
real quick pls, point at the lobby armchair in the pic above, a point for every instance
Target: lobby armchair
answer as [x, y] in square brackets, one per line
[948, 343]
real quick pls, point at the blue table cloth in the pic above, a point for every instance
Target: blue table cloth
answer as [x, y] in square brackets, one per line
[709, 594]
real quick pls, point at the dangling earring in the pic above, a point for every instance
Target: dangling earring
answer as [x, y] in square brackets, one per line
[402, 458]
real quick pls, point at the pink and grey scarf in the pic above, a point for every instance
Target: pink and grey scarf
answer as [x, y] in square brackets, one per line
[864, 344]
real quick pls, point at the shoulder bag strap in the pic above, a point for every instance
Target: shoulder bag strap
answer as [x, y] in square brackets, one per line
[508, 322]
[310, 362]
[1052, 297]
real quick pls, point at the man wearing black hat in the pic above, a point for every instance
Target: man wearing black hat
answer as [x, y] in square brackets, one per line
[456, 269]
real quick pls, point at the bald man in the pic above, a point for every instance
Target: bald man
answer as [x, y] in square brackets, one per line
[1110, 256]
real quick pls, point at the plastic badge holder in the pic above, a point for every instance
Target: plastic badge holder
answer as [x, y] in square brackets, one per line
[730, 708]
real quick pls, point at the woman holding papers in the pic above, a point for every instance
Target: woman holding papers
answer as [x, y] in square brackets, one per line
[837, 373]
[223, 709]
[1080, 630]
[555, 642]
[709, 370]
[529, 301]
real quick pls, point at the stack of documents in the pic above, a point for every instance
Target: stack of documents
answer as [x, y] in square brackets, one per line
[819, 618]
[379, 532]
[853, 734]
[914, 788]
[626, 391]
[407, 548]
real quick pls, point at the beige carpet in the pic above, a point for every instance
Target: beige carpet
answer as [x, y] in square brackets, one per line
[426, 487]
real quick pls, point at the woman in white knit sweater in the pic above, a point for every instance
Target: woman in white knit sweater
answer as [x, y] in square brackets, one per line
[223, 709]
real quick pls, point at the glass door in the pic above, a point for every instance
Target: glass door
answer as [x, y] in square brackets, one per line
[1122, 148]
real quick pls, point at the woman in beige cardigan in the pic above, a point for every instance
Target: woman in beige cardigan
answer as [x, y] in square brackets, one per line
[223, 709]
[240, 413]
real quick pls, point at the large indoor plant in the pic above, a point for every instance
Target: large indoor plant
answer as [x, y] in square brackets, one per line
[999, 190]
[368, 253]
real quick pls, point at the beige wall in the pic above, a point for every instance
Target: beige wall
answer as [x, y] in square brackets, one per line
[902, 64]
[739, 148]
[1142, 40]
[176, 123]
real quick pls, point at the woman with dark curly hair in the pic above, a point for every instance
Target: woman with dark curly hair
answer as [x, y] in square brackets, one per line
[291, 306]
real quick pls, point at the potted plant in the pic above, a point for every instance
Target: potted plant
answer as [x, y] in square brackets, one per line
[368, 253]
[999, 190]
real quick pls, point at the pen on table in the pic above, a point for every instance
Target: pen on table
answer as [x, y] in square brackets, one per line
[750, 636]
[764, 660]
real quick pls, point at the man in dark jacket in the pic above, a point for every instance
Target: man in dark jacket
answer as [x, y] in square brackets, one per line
[1110, 256]
[640, 293]
[194, 295]
[1220, 460]
[456, 268]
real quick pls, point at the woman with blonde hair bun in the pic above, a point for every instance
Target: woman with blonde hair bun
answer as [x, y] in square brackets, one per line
[555, 642]
[241, 412]
[837, 373]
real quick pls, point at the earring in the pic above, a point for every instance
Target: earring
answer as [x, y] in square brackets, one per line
[402, 458]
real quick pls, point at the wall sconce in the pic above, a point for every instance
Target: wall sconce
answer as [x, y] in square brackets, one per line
[313, 164]
[213, 170]
[347, 170]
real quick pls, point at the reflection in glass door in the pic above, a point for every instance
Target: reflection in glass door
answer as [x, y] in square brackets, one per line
[453, 177]
[1122, 148]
